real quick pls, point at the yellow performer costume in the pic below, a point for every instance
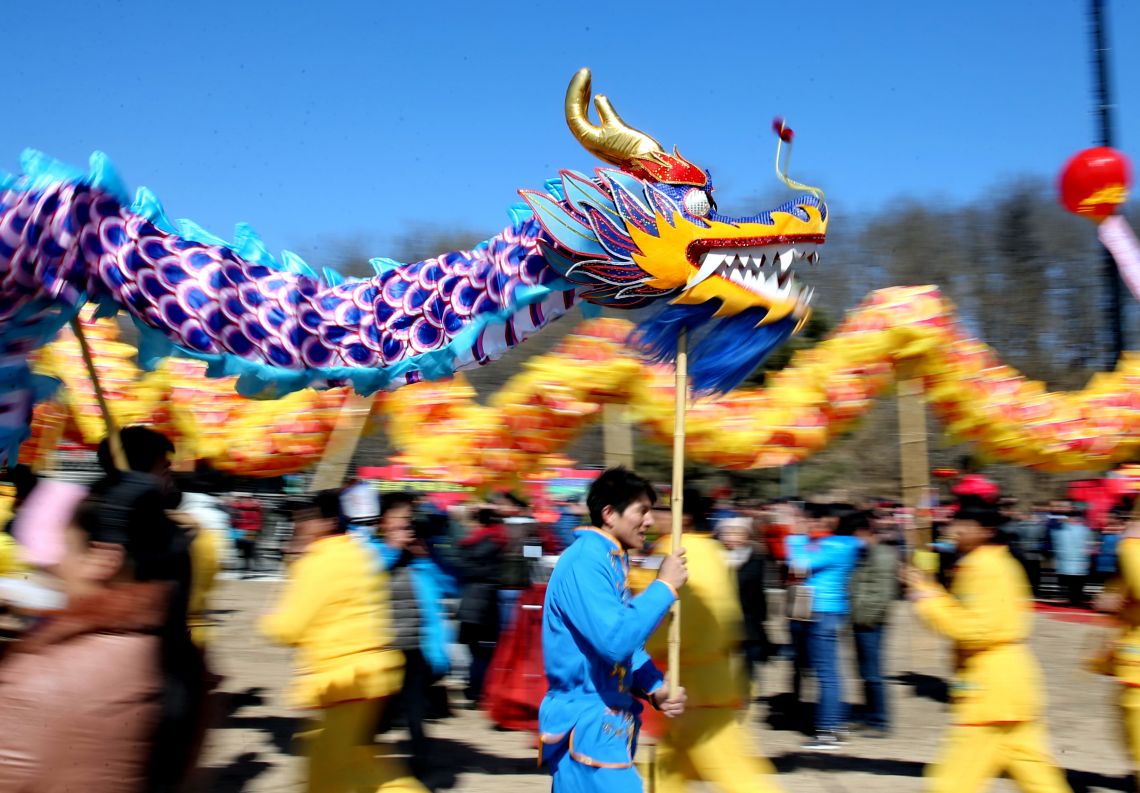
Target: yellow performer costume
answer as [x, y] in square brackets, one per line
[708, 742]
[997, 700]
[1126, 654]
[335, 612]
[205, 565]
[10, 563]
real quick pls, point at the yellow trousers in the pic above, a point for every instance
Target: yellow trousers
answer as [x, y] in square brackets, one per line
[342, 757]
[710, 745]
[1130, 713]
[972, 756]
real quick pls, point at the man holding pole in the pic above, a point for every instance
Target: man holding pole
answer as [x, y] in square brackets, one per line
[593, 637]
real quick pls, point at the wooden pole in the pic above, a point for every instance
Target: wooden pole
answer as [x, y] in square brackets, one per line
[113, 439]
[913, 457]
[342, 442]
[914, 466]
[617, 431]
[678, 499]
[51, 431]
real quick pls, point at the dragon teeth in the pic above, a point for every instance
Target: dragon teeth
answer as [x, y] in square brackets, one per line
[746, 267]
[710, 263]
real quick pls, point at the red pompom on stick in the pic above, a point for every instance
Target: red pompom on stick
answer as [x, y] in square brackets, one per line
[782, 129]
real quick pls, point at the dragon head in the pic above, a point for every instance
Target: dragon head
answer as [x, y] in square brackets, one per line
[650, 230]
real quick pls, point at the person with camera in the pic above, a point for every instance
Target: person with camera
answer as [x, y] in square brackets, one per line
[417, 587]
[825, 566]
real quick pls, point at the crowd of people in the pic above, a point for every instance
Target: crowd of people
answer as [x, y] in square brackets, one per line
[561, 614]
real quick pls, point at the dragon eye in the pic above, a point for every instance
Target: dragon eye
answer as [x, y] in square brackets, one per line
[697, 203]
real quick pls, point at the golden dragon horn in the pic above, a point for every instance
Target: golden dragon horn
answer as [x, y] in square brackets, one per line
[614, 141]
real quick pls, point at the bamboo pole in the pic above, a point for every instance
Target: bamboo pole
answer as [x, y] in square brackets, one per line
[677, 498]
[113, 439]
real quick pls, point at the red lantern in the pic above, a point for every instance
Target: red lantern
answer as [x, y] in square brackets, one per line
[1095, 182]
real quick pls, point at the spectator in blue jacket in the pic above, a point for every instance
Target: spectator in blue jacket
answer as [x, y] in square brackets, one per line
[1114, 525]
[1072, 541]
[826, 565]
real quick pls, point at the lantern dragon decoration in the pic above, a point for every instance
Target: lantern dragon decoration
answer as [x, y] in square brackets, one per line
[441, 430]
[646, 231]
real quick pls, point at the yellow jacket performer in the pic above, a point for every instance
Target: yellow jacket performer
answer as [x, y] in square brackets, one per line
[709, 742]
[997, 704]
[204, 565]
[1125, 657]
[334, 611]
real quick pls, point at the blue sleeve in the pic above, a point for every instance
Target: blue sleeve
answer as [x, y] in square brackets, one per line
[815, 559]
[647, 678]
[447, 584]
[591, 603]
[383, 554]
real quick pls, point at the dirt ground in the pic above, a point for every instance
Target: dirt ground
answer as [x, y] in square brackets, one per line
[251, 751]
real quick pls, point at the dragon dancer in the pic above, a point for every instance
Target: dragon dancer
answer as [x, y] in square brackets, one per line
[1121, 657]
[1126, 658]
[997, 701]
[335, 612]
[593, 636]
[708, 743]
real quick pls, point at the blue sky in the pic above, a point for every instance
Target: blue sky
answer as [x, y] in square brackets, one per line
[325, 122]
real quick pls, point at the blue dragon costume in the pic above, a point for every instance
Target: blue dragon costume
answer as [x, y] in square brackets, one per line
[644, 231]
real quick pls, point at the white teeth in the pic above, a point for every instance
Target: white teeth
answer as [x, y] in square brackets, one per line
[755, 268]
[709, 264]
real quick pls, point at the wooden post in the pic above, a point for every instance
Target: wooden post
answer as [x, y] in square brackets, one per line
[913, 457]
[914, 466]
[51, 420]
[116, 444]
[342, 442]
[677, 499]
[617, 434]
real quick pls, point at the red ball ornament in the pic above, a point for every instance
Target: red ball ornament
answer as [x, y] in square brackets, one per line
[1095, 182]
[782, 129]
